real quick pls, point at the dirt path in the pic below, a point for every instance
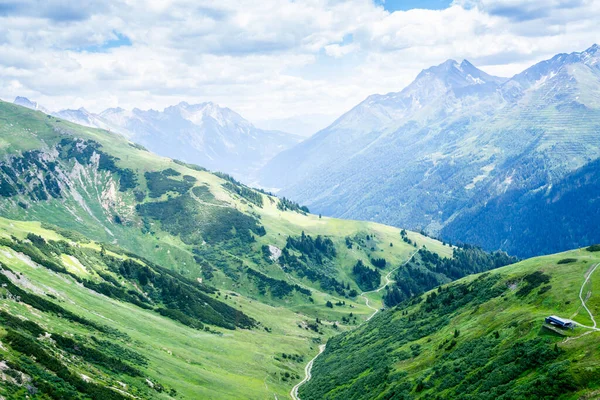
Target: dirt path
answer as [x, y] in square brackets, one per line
[307, 375]
[307, 369]
[387, 282]
[593, 328]
[587, 278]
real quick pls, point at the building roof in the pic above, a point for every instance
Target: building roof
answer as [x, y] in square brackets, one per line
[560, 320]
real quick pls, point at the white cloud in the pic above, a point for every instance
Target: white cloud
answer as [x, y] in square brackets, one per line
[269, 59]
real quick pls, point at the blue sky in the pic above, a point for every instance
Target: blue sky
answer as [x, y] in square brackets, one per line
[404, 5]
[269, 59]
[118, 40]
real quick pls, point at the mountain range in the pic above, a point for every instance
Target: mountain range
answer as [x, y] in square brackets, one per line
[206, 134]
[438, 154]
[126, 274]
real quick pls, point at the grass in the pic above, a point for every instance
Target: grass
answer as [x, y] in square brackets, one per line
[237, 364]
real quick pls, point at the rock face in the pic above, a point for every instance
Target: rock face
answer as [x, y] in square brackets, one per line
[448, 144]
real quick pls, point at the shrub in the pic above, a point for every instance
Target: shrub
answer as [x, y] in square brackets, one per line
[567, 261]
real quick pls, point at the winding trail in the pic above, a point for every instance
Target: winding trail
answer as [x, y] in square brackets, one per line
[593, 328]
[307, 375]
[308, 368]
[387, 282]
[587, 278]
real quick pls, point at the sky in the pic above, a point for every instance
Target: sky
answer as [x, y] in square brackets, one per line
[270, 59]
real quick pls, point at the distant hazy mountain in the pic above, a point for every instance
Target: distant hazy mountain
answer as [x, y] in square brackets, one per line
[448, 144]
[25, 102]
[82, 116]
[214, 137]
[206, 134]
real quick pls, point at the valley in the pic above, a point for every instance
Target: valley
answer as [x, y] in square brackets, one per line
[126, 274]
[103, 240]
[305, 200]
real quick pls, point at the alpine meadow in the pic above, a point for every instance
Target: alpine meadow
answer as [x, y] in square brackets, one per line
[210, 200]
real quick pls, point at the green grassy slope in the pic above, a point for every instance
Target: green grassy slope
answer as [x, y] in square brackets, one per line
[482, 337]
[115, 201]
[93, 200]
[208, 363]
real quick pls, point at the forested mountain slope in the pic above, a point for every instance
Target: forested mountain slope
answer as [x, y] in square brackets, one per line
[481, 337]
[561, 217]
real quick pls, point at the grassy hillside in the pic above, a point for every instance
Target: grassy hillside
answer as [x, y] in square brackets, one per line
[195, 282]
[482, 337]
[198, 223]
[76, 333]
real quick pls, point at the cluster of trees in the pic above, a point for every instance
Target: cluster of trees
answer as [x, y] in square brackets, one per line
[240, 189]
[182, 216]
[488, 366]
[315, 261]
[409, 281]
[276, 287]
[160, 182]
[166, 291]
[405, 238]
[379, 262]
[245, 192]
[286, 204]
[465, 260]
[319, 248]
[60, 382]
[428, 270]
[366, 278]
[177, 297]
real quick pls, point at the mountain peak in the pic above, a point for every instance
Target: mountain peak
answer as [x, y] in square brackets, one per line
[441, 69]
[454, 75]
[549, 68]
[25, 102]
[593, 48]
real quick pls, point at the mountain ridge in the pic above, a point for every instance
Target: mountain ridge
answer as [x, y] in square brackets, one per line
[422, 163]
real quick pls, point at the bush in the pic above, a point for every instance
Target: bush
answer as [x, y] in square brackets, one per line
[567, 261]
[532, 281]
